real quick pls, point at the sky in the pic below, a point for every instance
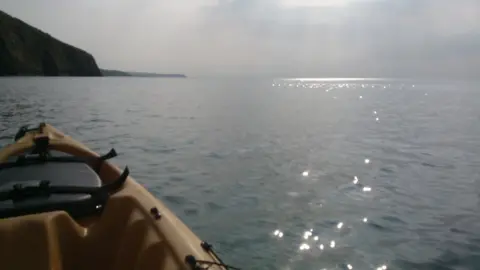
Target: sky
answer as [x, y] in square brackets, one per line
[291, 38]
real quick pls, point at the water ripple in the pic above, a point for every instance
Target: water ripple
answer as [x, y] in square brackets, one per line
[381, 173]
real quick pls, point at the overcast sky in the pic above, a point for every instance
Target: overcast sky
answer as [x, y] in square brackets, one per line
[311, 38]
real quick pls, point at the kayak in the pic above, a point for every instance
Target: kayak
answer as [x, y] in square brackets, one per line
[63, 206]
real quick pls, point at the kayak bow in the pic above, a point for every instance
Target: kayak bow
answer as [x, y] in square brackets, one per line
[63, 206]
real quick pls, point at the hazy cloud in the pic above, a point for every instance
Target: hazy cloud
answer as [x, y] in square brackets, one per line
[269, 37]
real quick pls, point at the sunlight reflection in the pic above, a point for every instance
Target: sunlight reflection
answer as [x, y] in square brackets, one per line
[332, 244]
[377, 119]
[333, 79]
[365, 220]
[321, 246]
[339, 225]
[349, 266]
[304, 246]
[315, 238]
[374, 112]
[305, 173]
[383, 267]
[355, 180]
[278, 233]
[360, 97]
[367, 189]
[307, 234]
[367, 161]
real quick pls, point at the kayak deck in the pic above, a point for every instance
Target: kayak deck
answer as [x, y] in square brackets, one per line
[127, 229]
[123, 237]
[65, 174]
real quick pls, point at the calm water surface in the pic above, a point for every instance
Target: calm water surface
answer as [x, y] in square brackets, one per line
[284, 174]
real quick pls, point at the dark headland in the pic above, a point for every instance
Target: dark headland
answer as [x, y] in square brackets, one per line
[28, 51]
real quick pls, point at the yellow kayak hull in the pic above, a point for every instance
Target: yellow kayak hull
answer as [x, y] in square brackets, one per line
[134, 230]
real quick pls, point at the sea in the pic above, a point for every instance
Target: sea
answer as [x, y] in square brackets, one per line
[287, 173]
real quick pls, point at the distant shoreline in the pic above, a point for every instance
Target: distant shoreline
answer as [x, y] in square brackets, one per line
[26, 51]
[118, 73]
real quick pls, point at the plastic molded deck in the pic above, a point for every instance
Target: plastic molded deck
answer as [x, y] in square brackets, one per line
[121, 238]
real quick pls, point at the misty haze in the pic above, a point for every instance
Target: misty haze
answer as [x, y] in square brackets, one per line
[339, 38]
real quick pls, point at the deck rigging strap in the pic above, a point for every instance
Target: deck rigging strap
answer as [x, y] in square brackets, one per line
[24, 130]
[41, 146]
[20, 192]
[196, 264]
[30, 160]
[93, 205]
[210, 264]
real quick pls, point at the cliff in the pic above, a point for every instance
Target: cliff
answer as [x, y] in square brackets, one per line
[25, 50]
